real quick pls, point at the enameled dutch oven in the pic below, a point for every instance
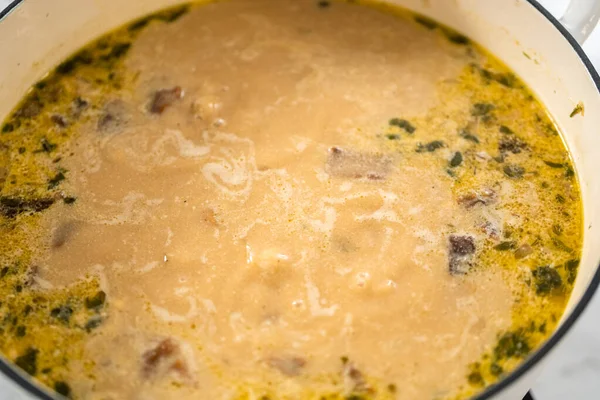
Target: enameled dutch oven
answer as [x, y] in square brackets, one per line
[35, 35]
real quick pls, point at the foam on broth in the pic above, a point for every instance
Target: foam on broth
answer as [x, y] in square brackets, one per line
[282, 199]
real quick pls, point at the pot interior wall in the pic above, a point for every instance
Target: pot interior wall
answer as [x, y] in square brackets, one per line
[38, 34]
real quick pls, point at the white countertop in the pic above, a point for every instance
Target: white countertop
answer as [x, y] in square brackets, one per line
[574, 370]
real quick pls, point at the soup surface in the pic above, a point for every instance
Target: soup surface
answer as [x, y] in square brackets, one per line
[282, 200]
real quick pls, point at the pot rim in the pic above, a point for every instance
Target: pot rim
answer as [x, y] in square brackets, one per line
[35, 389]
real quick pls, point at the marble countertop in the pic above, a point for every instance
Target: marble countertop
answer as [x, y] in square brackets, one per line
[574, 370]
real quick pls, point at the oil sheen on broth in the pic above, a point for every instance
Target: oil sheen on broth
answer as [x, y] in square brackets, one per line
[282, 200]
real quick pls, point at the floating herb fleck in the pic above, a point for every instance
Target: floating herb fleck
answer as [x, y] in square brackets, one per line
[561, 199]
[579, 109]
[47, 146]
[481, 109]
[96, 301]
[512, 344]
[324, 4]
[554, 164]
[62, 388]
[56, 180]
[506, 130]
[426, 22]
[456, 160]
[514, 171]
[468, 136]
[69, 200]
[504, 246]
[571, 268]
[402, 124]
[455, 37]
[392, 137]
[547, 279]
[62, 313]
[430, 147]
[28, 361]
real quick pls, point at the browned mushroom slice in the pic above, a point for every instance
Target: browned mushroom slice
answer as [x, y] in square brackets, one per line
[485, 196]
[290, 366]
[461, 250]
[351, 164]
[164, 98]
[165, 356]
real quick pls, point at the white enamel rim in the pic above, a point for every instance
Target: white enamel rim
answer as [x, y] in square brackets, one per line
[40, 392]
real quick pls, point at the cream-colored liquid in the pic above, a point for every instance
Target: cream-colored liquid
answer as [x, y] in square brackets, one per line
[224, 226]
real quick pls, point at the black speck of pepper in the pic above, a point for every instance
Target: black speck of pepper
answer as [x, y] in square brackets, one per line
[514, 171]
[62, 388]
[456, 159]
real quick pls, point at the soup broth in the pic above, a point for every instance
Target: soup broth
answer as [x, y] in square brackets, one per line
[282, 200]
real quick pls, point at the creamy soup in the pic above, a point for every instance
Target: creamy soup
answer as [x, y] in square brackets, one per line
[282, 200]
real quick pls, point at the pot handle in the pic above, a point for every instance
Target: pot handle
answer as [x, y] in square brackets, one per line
[581, 18]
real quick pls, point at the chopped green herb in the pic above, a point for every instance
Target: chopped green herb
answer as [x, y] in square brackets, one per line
[10, 207]
[571, 267]
[468, 136]
[579, 109]
[569, 173]
[62, 388]
[69, 200]
[504, 246]
[554, 165]
[21, 331]
[456, 160]
[93, 323]
[28, 361]
[481, 109]
[455, 37]
[403, 124]
[47, 146]
[56, 180]
[514, 171]
[430, 147]
[505, 79]
[561, 245]
[512, 344]
[561, 199]
[323, 4]
[475, 378]
[557, 229]
[496, 369]
[62, 313]
[506, 130]
[8, 128]
[426, 22]
[173, 15]
[392, 137]
[96, 301]
[547, 279]
[22, 150]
